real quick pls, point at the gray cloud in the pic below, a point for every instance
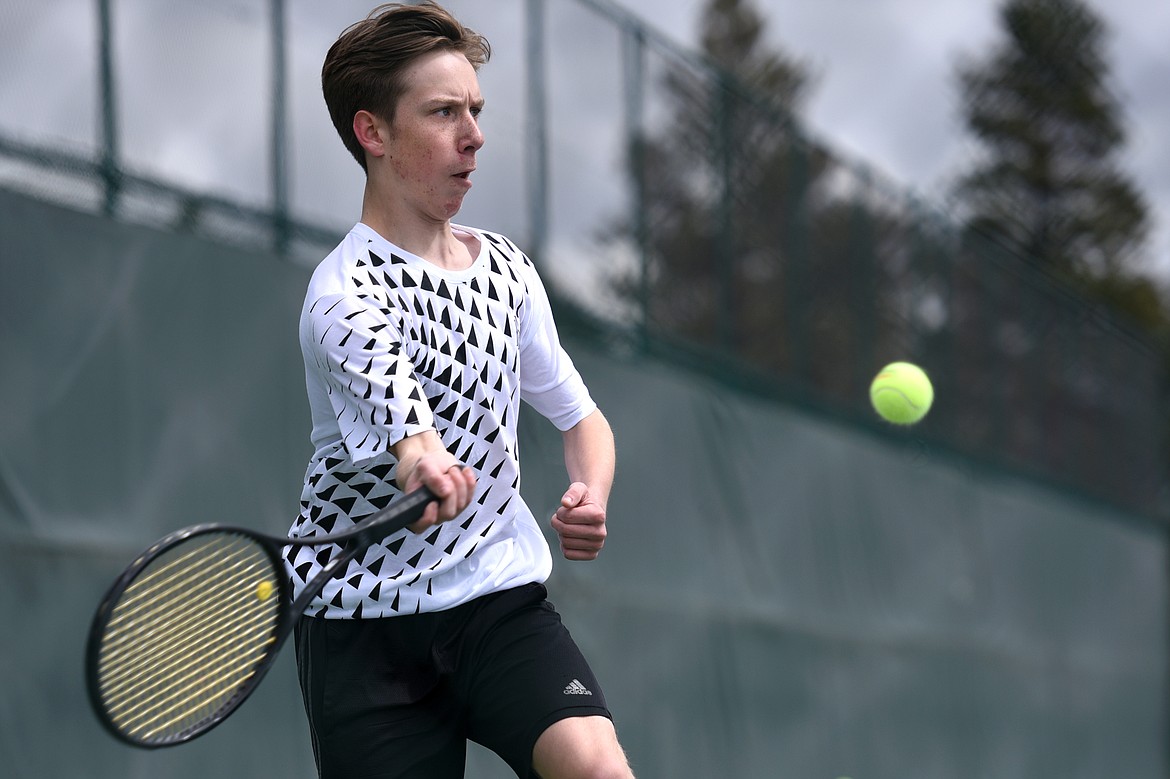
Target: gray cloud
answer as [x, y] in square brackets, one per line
[194, 105]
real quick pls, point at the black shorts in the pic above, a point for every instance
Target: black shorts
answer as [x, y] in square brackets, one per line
[400, 696]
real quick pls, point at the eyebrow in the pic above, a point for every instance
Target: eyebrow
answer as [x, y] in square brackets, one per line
[443, 100]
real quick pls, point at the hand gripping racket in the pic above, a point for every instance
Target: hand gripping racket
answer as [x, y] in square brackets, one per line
[189, 629]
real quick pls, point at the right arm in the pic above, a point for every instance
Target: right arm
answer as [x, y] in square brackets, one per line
[422, 459]
[355, 347]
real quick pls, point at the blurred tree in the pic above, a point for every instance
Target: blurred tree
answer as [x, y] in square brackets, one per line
[727, 132]
[1048, 189]
[1048, 186]
[733, 39]
[754, 241]
[760, 247]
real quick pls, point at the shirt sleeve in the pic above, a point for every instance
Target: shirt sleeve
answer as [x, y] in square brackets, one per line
[549, 382]
[356, 346]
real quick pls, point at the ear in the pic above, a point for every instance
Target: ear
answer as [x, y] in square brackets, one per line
[371, 133]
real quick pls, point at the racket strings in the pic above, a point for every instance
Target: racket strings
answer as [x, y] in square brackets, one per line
[180, 599]
[187, 635]
[160, 658]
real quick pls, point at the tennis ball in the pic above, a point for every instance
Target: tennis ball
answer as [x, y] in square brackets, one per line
[264, 590]
[901, 393]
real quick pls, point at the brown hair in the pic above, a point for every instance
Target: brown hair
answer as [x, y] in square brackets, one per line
[365, 66]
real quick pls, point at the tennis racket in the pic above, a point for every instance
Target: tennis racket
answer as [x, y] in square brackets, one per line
[189, 629]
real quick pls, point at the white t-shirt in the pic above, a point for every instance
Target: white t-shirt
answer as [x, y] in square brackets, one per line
[394, 345]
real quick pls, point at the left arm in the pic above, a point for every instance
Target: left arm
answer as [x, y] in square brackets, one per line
[589, 460]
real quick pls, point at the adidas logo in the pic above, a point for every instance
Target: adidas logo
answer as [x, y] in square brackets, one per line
[576, 688]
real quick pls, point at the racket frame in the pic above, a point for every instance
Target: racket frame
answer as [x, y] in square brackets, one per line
[378, 526]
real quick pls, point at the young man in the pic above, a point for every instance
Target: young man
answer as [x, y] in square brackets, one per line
[420, 339]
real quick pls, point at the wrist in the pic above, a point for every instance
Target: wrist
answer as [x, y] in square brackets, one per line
[410, 451]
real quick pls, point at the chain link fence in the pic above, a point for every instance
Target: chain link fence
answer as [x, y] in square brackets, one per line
[672, 208]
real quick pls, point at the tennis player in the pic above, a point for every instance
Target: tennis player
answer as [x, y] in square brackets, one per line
[420, 339]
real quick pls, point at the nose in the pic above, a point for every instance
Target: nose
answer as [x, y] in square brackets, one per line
[473, 136]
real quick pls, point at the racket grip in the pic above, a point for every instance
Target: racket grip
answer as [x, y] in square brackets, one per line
[413, 504]
[402, 512]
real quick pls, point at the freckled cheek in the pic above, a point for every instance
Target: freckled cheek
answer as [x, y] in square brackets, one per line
[417, 167]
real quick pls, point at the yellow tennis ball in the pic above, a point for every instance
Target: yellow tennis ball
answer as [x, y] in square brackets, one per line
[901, 393]
[264, 590]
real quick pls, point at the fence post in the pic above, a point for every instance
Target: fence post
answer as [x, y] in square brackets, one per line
[537, 145]
[110, 168]
[725, 257]
[635, 72]
[279, 158]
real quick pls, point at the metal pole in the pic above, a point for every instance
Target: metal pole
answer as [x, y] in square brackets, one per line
[279, 132]
[724, 256]
[635, 77]
[110, 168]
[794, 241]
[863, 285]
[537, 121]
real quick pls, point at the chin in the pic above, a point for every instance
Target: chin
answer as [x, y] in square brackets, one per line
[451, 209]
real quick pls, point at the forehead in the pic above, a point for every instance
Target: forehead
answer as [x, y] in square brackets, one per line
[441, 74]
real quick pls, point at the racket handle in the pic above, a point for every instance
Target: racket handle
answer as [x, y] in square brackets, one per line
[376, 527]
[402, 512]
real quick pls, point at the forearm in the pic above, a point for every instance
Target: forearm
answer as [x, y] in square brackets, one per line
[590, 455]
[423, 460]
[410, 451]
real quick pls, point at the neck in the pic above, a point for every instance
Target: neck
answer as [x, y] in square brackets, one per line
[431, 239]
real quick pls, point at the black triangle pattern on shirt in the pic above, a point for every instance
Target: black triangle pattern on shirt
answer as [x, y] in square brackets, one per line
[414, 347]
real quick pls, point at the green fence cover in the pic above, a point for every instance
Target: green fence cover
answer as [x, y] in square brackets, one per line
[782, 594]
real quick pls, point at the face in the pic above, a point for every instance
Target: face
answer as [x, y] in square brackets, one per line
[431, 144]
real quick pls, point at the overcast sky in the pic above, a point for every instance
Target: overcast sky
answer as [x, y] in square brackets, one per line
[885, 90]
[193, 103]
